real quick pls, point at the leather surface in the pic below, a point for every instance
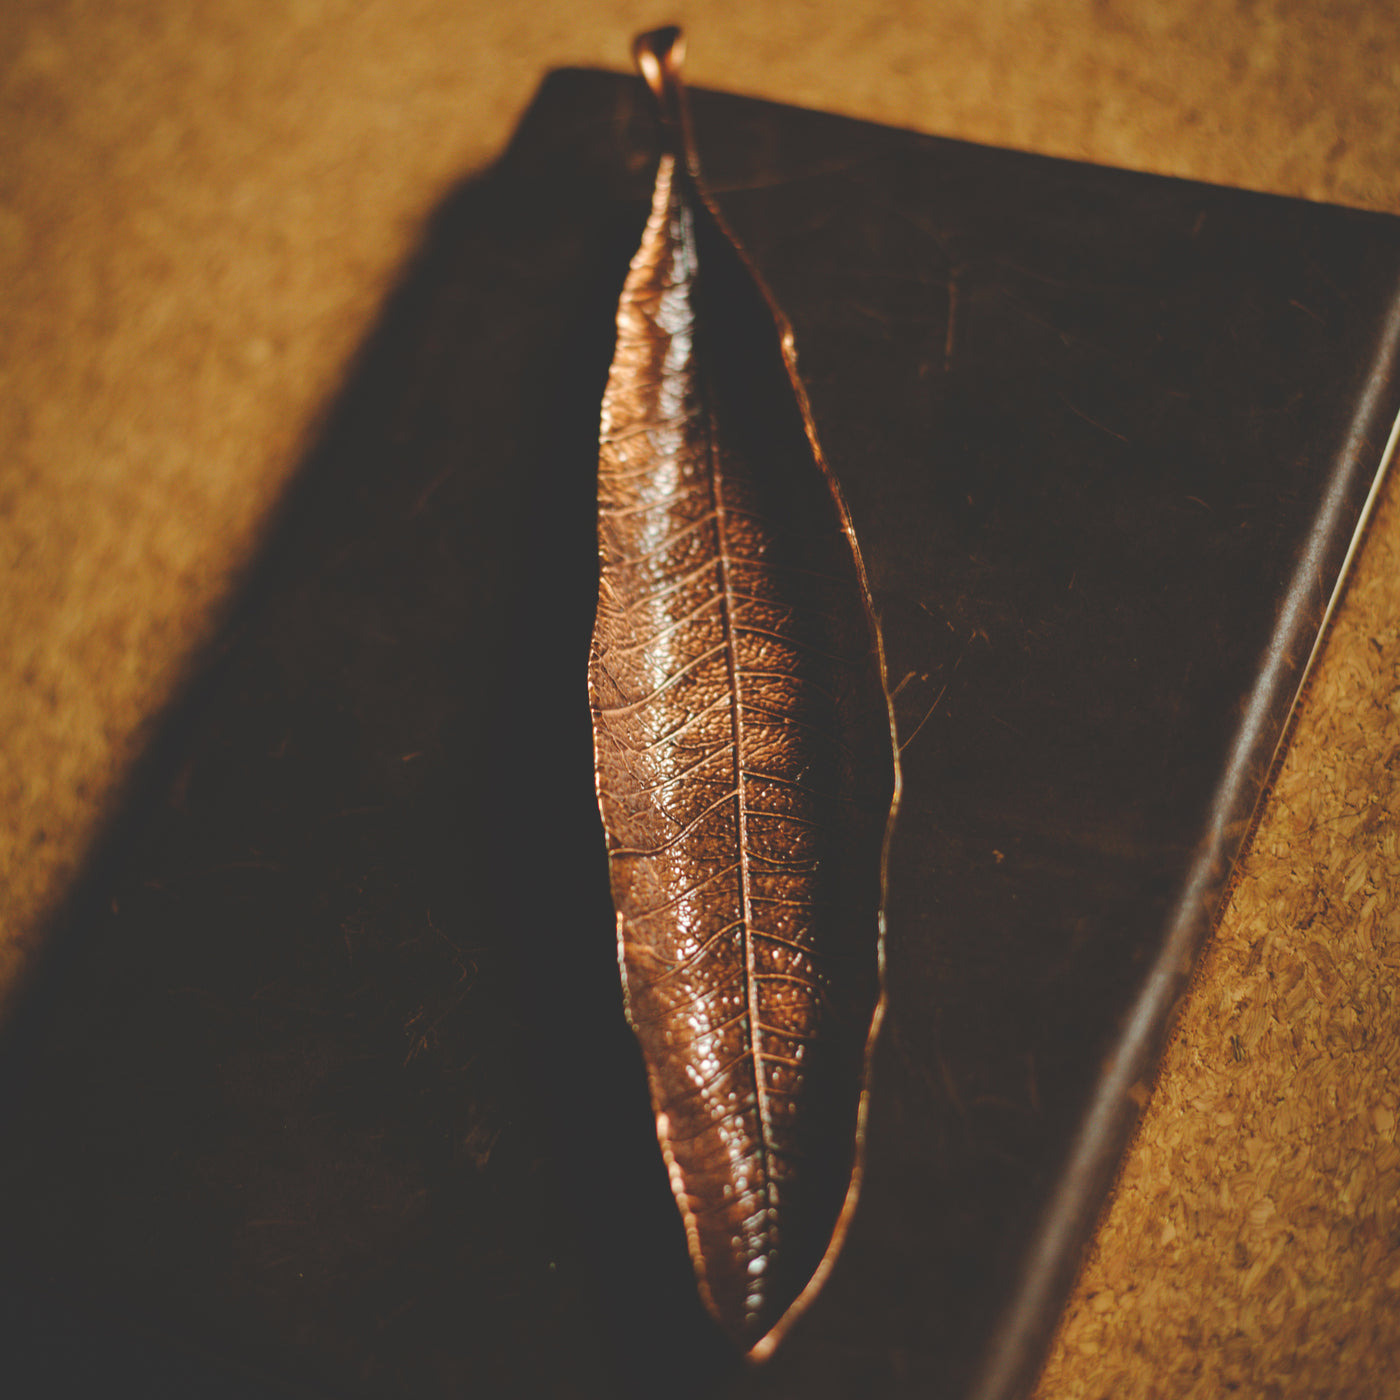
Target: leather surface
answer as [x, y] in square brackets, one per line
[331, 1074]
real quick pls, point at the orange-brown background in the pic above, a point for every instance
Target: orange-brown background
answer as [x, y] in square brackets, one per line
[200, 209]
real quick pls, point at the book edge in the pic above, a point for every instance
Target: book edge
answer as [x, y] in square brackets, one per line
[1021, 1339]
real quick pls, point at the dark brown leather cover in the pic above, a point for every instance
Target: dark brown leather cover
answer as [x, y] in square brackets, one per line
[327, 1082]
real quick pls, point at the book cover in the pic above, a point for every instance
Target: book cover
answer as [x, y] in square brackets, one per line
[326, 1084]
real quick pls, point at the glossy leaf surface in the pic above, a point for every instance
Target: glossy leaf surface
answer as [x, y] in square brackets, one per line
[744, 762]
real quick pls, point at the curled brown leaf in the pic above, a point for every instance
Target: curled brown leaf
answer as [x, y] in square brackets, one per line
[745, 768]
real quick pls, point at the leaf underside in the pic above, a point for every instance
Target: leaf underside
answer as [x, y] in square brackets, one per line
[744, 767]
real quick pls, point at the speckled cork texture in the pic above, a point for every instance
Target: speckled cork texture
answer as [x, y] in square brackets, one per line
[200, 213]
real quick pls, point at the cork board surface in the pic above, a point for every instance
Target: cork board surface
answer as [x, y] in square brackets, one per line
[200, 212]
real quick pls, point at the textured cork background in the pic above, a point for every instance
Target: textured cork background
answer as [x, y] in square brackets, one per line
[201, 208]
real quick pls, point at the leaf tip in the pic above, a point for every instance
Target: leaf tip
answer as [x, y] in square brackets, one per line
[659, 54]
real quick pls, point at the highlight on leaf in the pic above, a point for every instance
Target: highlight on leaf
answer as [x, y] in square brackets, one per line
[745, 767]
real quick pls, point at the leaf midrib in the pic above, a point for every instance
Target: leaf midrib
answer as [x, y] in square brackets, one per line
[729, 629]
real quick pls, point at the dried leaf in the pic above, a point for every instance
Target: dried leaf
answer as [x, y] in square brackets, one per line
[744, 761]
